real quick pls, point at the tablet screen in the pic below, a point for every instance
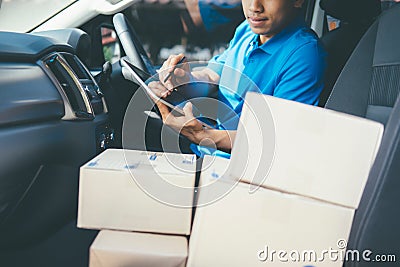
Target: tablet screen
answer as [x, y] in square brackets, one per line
[174, 101]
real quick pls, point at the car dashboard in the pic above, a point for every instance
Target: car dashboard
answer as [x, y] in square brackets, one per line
[53, 118]
[63, 86]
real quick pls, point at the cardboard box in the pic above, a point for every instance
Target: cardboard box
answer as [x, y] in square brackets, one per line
[214, 168]
[306, 150]
[137, 191]
[116, 249]
[265, 228]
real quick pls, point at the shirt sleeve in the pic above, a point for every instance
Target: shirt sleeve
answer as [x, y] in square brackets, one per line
[301, 78]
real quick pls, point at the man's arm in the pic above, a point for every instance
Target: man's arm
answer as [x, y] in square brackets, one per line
[190, 127]
[206, 75]
[182, 73]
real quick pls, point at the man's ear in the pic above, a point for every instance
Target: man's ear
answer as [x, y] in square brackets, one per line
[298, 3]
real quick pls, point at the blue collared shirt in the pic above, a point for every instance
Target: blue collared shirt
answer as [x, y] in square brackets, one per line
[290, 65]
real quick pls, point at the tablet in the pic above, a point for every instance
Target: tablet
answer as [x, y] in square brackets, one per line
[172, 101]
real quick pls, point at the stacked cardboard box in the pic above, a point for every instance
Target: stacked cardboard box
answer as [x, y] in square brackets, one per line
[137, 191]
[115, 248]
[291, 200]
[264, 228]
[286, 197]
[315, 152]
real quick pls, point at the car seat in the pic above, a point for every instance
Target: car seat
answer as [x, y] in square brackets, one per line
[368, 87]
[355, 18]
[370, 81]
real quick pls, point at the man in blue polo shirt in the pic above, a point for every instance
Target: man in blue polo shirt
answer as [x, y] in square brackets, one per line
[272, 50]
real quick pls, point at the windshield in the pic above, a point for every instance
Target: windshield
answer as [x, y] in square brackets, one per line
[25, 15]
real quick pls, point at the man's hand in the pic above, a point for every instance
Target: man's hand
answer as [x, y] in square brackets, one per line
[190, 127]
[187, 125]
[159, 90]
[179, 72]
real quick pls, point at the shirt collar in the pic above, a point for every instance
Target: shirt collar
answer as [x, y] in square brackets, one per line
[275, 43]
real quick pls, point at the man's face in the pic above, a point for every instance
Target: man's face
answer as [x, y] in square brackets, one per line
[269, 17]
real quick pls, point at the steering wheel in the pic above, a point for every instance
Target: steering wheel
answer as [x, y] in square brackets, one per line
[134, 50]
[132, 46]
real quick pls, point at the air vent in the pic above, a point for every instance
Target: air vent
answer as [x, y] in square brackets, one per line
[71, 86]
[88, 83]
[76, 66]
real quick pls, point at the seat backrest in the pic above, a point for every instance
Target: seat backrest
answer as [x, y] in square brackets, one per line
[355, 18]
[368, 87]
[376, 223]
[370, 81]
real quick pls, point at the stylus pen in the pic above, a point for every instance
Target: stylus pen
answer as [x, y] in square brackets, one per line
[169, 74]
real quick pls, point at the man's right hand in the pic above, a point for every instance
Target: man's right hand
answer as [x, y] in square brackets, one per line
[181, 74]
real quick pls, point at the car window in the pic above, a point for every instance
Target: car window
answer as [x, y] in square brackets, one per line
[24, 15]
[333, 23]
[385, 4]
[109, 42]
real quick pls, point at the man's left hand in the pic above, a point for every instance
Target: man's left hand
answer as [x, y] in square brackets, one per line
[186, 124]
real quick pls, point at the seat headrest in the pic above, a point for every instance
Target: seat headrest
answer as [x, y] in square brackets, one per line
[352, 11]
